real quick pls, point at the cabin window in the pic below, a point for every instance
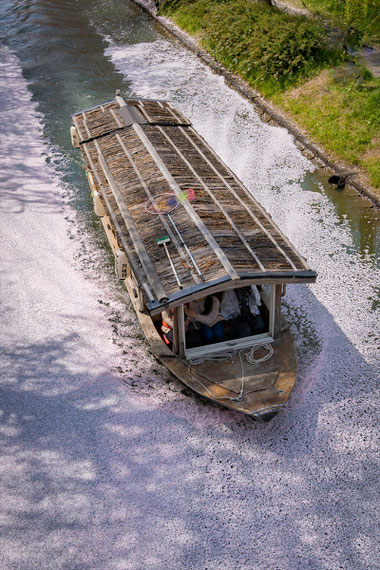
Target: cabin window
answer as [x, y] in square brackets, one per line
[246, 317]
[254, 324]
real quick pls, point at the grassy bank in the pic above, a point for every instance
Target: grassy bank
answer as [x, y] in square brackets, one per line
[287, 58]
[343, 116]
[270, 49]
[360, 19]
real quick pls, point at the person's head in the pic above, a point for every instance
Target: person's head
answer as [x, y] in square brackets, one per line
[207, 304]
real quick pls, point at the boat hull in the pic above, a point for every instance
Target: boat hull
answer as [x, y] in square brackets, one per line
[267, 385]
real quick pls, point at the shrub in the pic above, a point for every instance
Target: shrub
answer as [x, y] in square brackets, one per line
[358, 18]
[269, 48]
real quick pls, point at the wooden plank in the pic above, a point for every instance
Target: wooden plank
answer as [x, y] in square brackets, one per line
[84, 117]
[172, 111]
[161, 217]
[188, 295]
[144, 112]
[277, 311]
[181, 327]
[132, 229]
[120, 101]
[190, 210]
[213, 197]
[175, 347]
[119, 123]
[76, 125]
[259, 207]
[112, 215]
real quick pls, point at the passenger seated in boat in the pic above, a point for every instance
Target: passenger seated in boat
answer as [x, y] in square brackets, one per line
[240, 307]
[205, 313]
[167, 326]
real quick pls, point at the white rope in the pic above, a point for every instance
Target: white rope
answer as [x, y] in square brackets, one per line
[229, 356]
[215, 357]
[250, 356]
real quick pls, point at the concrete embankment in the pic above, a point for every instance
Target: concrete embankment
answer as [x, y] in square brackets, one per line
[265, 110]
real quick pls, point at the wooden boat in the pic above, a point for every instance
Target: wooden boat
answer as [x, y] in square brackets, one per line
[153, 177]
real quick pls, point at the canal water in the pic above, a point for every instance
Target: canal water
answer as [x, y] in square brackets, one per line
[108, 461]
[76, 54]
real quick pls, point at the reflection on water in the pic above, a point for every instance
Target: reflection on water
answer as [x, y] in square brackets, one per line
[362, 218]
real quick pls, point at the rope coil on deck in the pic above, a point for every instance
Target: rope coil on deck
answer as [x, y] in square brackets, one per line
[250, 356]
[229, 355]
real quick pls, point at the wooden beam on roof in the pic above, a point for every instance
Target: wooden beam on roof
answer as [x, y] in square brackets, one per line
[120, 101]
[78, 128]
[173, 111]
[214, 198]
[132, 229]
[161, 216]
[191, 293]
[144, 111]
[124, 243]
[257, 221]
[84, 117]
[190, 210]
[118, 122]
[277, 311]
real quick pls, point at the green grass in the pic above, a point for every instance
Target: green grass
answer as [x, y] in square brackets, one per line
[270, 49]
[344, 117]
[286, 59]
[365, 27]
[372, 165]
[189, 16]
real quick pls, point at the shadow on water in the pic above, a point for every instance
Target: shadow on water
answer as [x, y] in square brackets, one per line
[22, 185]
[108, 478]
[86, 455]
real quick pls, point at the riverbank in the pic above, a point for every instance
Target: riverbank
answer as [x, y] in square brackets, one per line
[336, 151]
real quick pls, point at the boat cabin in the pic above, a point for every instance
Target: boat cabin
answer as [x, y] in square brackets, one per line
[183, 227]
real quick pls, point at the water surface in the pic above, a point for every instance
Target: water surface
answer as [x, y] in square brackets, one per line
[76, 54]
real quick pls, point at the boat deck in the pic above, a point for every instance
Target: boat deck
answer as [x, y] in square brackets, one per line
[266, 385]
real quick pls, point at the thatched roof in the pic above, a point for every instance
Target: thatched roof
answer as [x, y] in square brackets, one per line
[136, 149]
